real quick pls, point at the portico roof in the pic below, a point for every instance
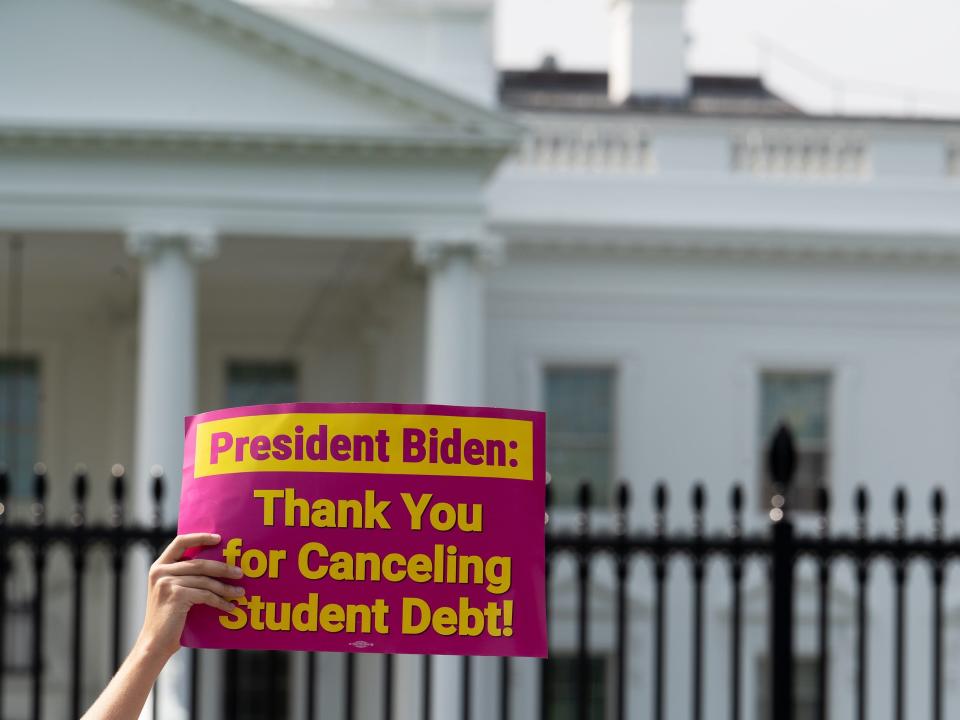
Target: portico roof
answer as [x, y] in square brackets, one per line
[209, 114]
[183, 70]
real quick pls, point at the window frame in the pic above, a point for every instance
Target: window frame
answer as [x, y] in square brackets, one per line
[230, 360]
[762, 687]
[40, 361]
[606, 681]
[760, 441]
[616, 383]
[288, 672]
[217, 354]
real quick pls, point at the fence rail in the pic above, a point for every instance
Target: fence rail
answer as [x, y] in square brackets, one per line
[779, 547]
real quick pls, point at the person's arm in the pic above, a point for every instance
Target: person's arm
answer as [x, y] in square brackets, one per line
[174, 586]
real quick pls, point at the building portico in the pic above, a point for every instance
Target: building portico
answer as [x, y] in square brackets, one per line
[336, 233]
[186, 313]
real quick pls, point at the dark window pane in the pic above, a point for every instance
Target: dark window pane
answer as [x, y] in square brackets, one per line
[261, 383]
[804, 688]
[579, 406]
[262, 678]
[562, 687]
[799, 398]
[19, 421]
[802, 400]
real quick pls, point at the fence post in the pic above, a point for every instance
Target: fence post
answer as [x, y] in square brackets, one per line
[4, 573]
[781, 464]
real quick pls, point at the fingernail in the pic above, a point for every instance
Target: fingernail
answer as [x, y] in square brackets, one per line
[237, 590]
[216, 537]
[235, 571]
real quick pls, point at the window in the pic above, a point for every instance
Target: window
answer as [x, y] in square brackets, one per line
[802, 400]
[562, 673]
[261, 383]
[18, 620]
[579, 406]
[259, 681]
[804, 688]
[19, 421]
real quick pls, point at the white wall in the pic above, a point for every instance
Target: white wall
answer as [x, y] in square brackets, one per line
[689, 335]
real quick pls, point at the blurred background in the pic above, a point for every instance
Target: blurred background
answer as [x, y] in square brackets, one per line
[677, 227]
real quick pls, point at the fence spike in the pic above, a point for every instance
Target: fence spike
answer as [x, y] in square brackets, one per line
[823, 500]
[156, 472]
[117, 490]
[39, 493]
[585, 495]
[900, 501]
[937, 503]
[79, 494]
[583, 517]
[782, 456]
[623, 496]
[861, 503]
[80, 484]
[698, 498]
[661, 497]
[117, 472]
[861, 500]
[39, 483]
[623, 503]
[736, 499]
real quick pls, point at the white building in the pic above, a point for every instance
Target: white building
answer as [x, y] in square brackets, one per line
[204, 204]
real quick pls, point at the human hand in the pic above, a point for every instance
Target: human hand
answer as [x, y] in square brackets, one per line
[175, 585]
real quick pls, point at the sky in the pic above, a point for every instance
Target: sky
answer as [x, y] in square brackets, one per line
[877, 56]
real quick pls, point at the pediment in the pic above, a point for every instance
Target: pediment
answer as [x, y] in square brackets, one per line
[210, 66]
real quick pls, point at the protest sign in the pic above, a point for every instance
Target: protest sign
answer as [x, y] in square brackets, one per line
[371, 528]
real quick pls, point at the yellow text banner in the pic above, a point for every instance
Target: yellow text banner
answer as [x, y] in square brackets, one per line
[368, 443]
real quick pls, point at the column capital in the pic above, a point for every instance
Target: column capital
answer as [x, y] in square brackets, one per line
[145, 241]
[434, 248]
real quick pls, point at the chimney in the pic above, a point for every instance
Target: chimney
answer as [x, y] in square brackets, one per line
[648, 50]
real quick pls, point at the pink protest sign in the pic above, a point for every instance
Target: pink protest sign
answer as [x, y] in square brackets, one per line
[371, 528]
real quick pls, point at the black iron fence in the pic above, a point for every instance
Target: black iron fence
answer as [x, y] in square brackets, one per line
[779, 547]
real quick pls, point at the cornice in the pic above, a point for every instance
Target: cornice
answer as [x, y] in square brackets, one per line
[730, 243]
[39, 136]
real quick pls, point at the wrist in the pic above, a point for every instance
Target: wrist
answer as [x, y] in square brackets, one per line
[148, 651]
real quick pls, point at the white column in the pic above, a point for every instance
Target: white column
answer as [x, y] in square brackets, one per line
[454, 321]
[166, 392]
[453, 357]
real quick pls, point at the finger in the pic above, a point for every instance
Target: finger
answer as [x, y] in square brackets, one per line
[205, 597]
[199, 566]
[175, 549]
[201, 582]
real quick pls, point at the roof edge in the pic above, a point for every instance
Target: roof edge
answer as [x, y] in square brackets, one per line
[348, 64]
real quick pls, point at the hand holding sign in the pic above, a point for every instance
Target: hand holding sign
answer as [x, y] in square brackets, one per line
[175, 585]
[383, 528]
